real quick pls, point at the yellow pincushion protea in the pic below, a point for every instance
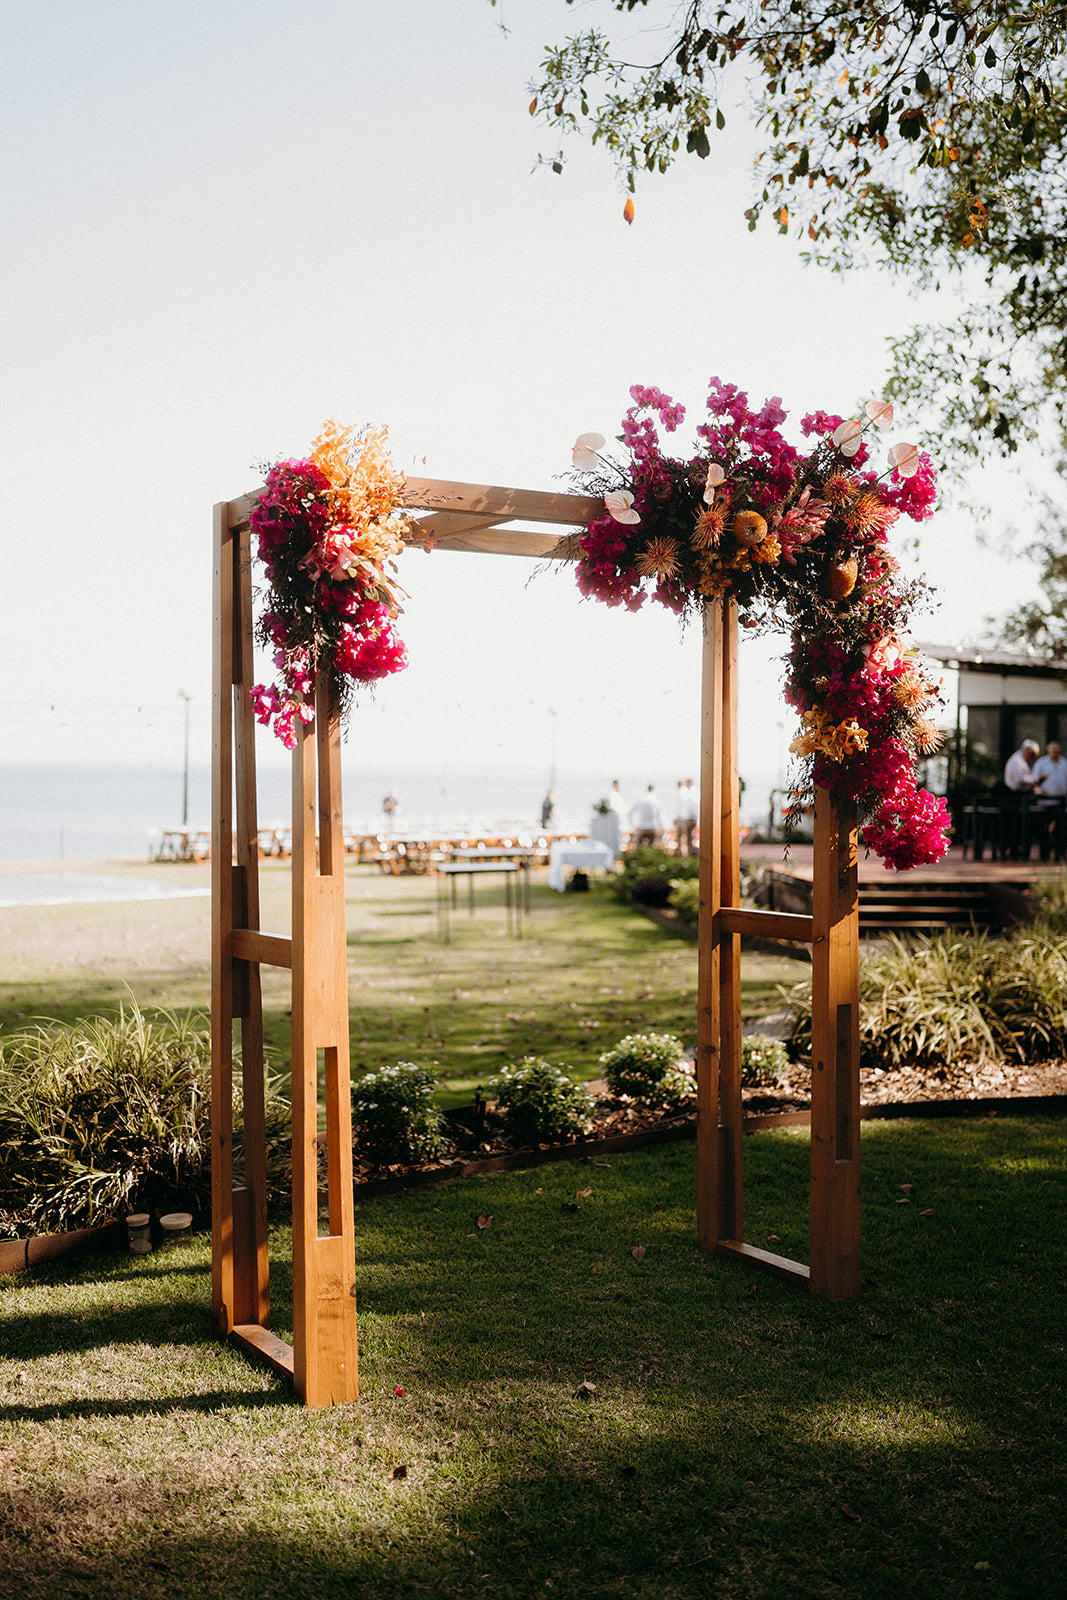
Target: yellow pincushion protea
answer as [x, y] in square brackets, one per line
[820, 736]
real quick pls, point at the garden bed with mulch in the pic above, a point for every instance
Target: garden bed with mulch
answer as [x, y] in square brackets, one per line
[479, 1142]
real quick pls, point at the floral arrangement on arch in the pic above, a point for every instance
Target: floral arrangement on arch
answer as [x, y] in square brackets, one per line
[328, 531]
[799, 540]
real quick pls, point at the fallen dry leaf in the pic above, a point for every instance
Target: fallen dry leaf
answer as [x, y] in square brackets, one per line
[928, 1213]
[904, 1202]
[853, 1516]
[906, 1188]
[583, 1194]
[772, 1238]
[400, 1472]
[589, 1365]
[639, 1252]
[485, 1220]
[474, 1236]
[585, 1390]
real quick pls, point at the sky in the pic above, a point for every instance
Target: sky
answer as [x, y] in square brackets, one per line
[227, 220]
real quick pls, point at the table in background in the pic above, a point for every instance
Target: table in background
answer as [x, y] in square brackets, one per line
[522, 855]
[583, 853]
[449, 871]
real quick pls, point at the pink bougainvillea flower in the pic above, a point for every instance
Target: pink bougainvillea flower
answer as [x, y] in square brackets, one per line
[619, 505]
[905, 457]
[584, 451]
[398, 1390]
[848, 436]
[880, 413]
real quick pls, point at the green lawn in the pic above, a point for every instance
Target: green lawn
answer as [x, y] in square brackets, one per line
[744, 1440]
[588, 971]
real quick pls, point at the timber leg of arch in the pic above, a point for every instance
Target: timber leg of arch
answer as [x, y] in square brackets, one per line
[833, 932]
[322, 1361]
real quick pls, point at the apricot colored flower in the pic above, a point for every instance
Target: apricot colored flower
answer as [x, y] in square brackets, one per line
[848, 436]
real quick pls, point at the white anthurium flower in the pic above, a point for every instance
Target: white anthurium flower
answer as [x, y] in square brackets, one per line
[585, 448]
[905, 457]
[716, 475]
[620, 505]
[848, 436]
[880, 413]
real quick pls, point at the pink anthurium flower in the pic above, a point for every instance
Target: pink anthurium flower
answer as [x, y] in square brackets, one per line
[848, 436]
[905, 457]
[620, 505]
[880, 413]
[716, 475]
[585, 448]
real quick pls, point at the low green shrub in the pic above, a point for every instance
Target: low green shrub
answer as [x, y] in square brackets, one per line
[684, 899]
[763, 1061]
[540, 1102]
[648, 1066]
[113, 1115]
[957, 997]
[395, 1116]
[655, 869]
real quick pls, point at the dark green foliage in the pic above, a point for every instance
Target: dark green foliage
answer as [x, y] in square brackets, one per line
[763, 1060]
[648, 1066]
[395, 1116]
[540, 1102]
[111, 1115]
[684, 900]
[647, 866]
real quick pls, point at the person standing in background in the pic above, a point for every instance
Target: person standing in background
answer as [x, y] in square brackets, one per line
[548, 811]
[645, 820]
[685, 816]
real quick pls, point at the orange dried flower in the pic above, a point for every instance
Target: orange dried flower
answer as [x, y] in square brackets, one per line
[838, 489]
[709, 529]
[749, 528]
[659, 559]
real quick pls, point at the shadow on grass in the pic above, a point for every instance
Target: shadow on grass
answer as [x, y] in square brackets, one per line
[743, 1440]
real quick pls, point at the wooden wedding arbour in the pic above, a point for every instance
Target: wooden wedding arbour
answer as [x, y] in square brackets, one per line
[323, 1359]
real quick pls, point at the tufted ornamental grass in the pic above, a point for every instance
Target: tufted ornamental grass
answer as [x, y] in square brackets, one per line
[110, 1115]
[957, 997]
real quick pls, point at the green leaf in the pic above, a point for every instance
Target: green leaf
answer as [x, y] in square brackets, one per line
[720, 120]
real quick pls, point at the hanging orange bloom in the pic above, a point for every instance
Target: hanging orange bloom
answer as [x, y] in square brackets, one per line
[709, 528]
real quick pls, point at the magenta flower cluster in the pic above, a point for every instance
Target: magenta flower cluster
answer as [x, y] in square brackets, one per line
[322, 614]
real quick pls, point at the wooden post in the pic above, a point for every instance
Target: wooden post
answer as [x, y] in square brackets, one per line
[324, 1305]
[719, 1211]
[835, 1048]
[222, 995]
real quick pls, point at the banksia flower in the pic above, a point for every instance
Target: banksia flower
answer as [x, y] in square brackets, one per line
[869, 515]
[659, 559]
[748, 528]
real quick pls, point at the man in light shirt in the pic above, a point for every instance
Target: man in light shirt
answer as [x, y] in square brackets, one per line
[1049, 774]
[645, 819]
[685, 816]
[1018, 776]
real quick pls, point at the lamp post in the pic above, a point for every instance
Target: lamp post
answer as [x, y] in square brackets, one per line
[185, 771]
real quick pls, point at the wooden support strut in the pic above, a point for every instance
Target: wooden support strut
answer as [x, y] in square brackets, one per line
[833, 932]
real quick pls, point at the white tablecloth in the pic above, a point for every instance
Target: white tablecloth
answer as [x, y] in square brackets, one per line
[576, 853]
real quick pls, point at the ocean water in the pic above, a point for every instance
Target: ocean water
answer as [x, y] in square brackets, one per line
[112, 812]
